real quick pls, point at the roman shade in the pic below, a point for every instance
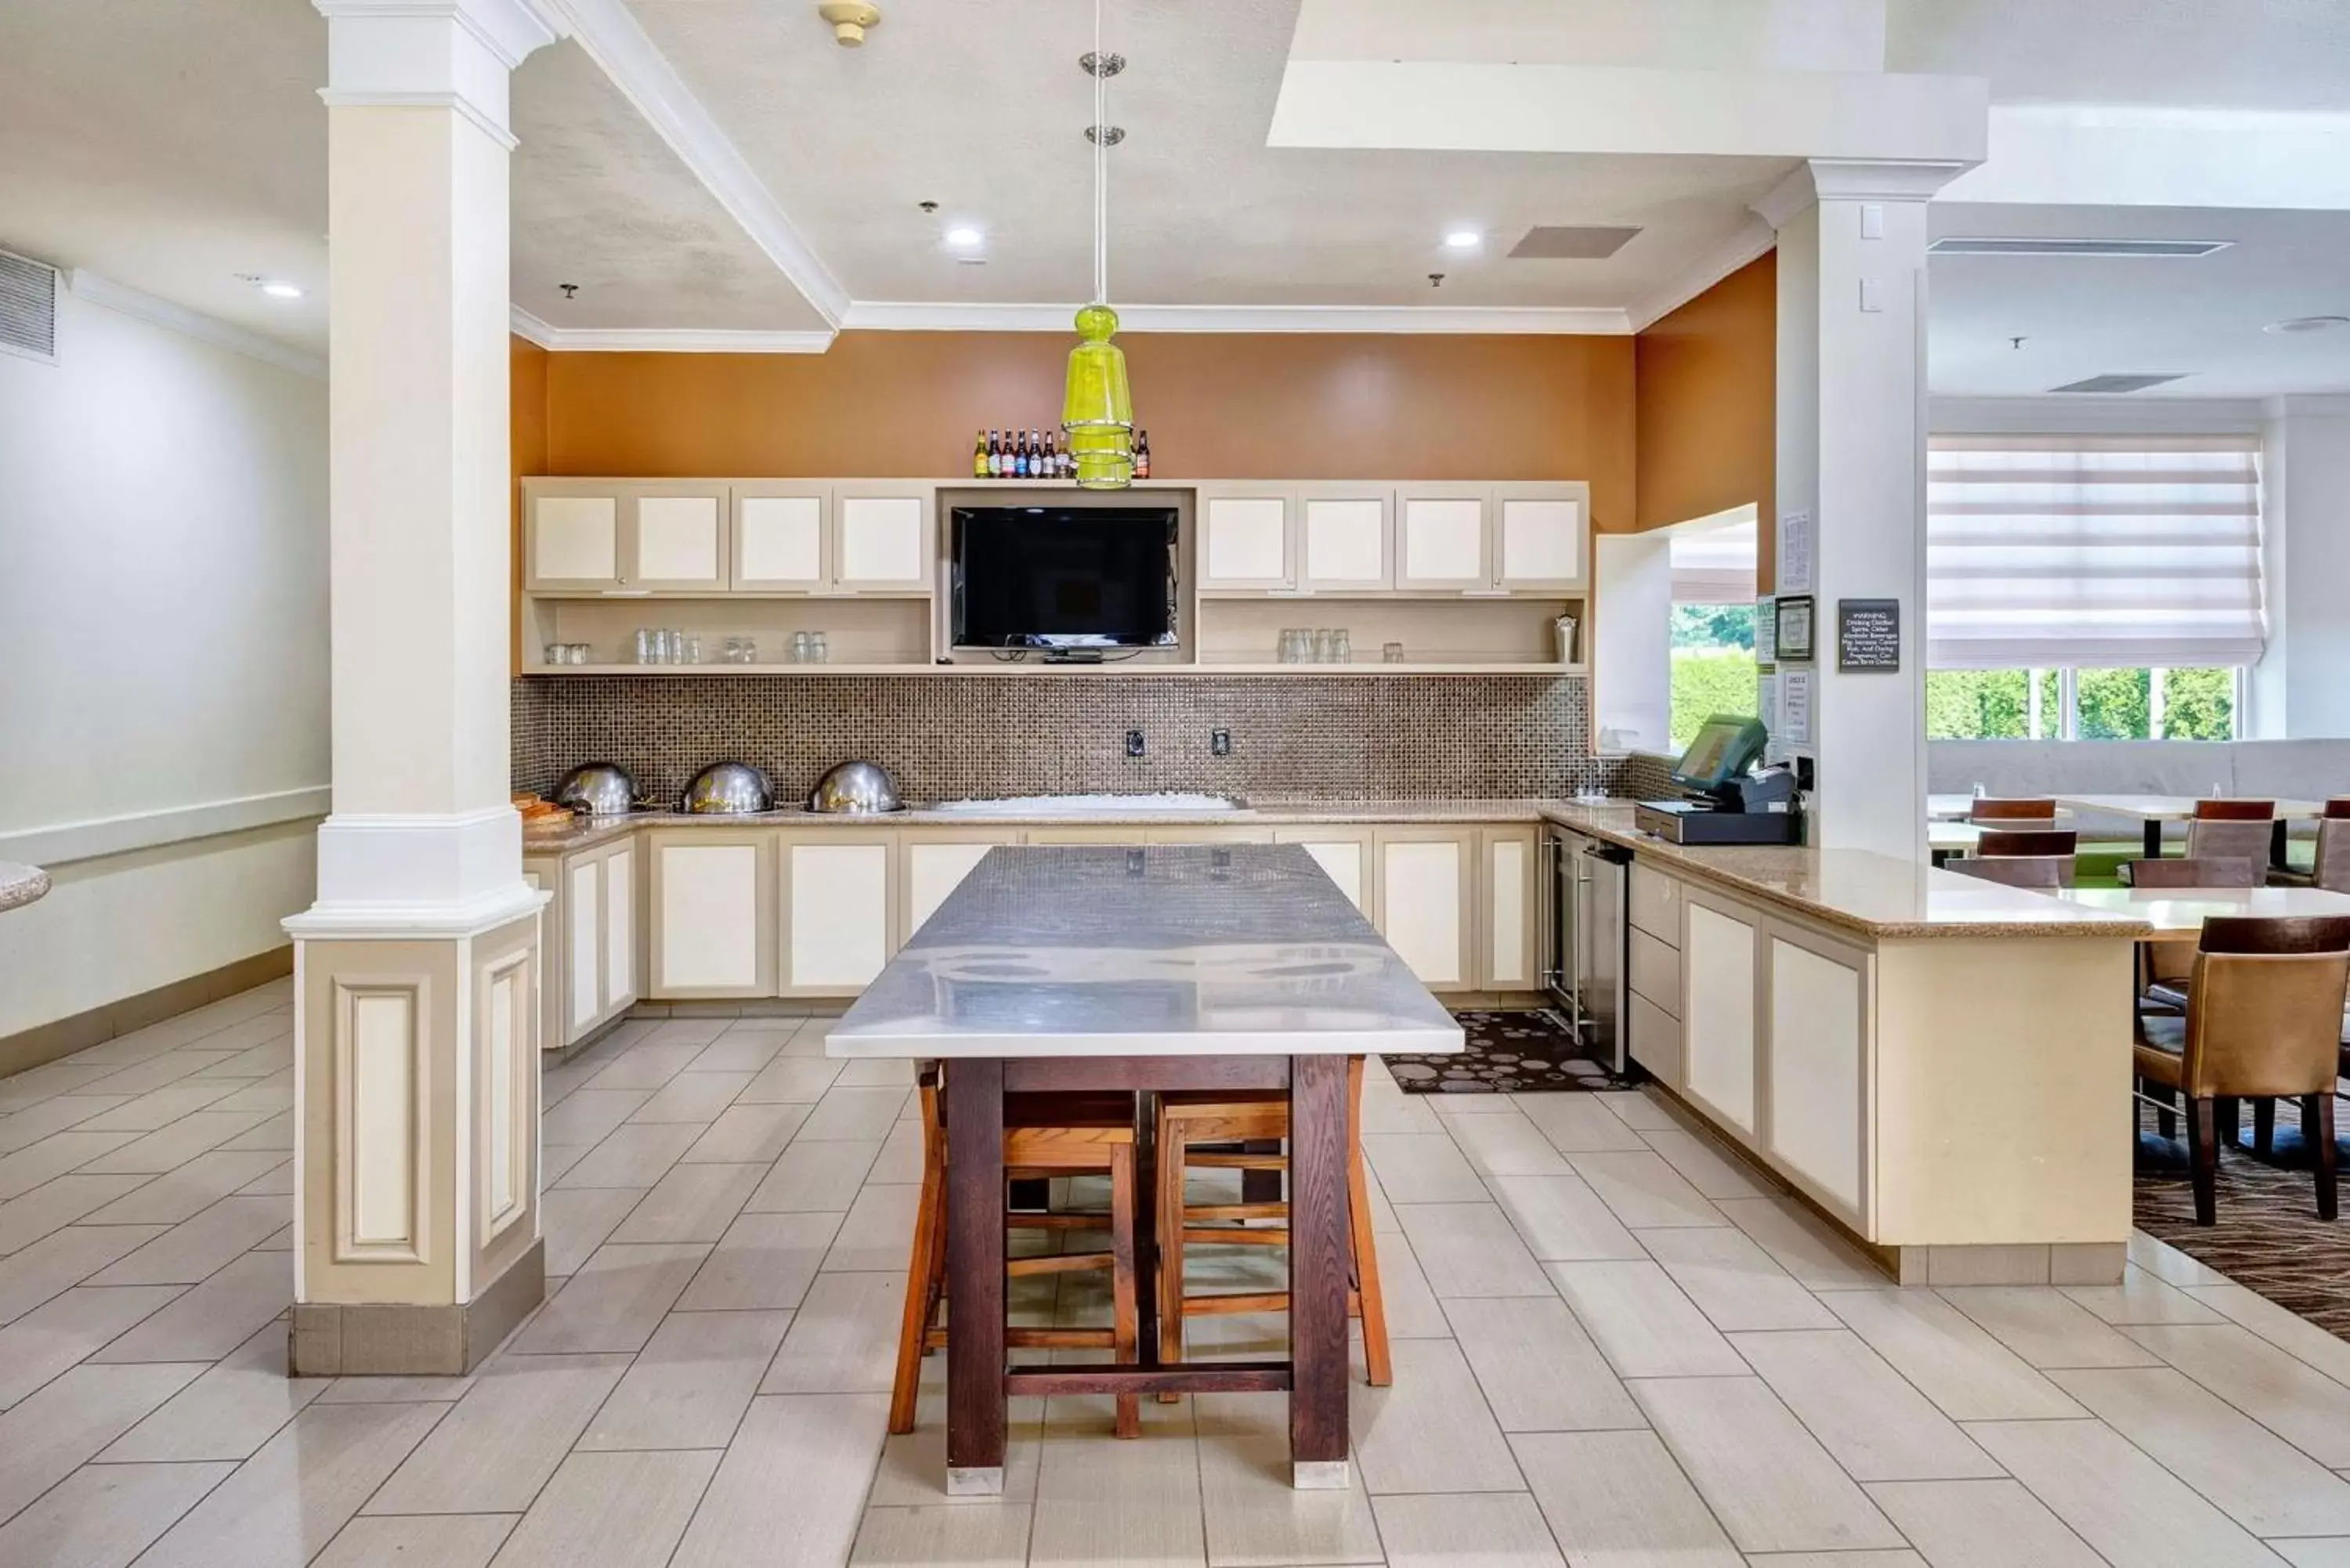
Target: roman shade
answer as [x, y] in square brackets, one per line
[1714, 566]
[2092, 551]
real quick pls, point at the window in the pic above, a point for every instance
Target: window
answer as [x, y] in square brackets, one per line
[2098, 704]
[1992, 704]
[1712, 642]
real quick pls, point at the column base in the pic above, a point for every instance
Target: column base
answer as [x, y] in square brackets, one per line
[386, 1339]
[2022, 1264]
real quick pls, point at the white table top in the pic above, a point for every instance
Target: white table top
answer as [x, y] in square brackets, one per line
[1959, 807]
[2173, 807]
[1171, 949]
[2181, 911]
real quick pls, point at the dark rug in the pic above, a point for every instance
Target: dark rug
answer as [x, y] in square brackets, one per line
[2268, 1236]
[1506, 1053]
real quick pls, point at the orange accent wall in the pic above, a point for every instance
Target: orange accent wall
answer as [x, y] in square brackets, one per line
[1708, 380]
[526, 437]
[1239, 406]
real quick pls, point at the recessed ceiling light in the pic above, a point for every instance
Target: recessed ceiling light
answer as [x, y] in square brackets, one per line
[278, 289]
[1463, 240]
[2301, 324]
[964, 238]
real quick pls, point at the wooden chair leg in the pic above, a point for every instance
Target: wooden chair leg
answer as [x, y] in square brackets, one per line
[1169, 1239]
[2203, 1154]
[924, 1270]
[2264, 1127]
[2317, 1131]
[1377, 1366]
[1126, 1315]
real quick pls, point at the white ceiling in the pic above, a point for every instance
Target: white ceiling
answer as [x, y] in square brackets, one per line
[2083, 316]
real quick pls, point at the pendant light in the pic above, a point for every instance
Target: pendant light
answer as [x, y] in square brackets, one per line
[1096, 408]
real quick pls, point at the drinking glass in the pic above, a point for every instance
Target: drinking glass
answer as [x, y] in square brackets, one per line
[694, 649]
[800, 647]
[644, 645]
[1392, 653]
[816, 649]
[1325, 646]
[1342, 648]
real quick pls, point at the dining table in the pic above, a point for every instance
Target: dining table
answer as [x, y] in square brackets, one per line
[1145, 968]
[2177, 914]
[2153, 811]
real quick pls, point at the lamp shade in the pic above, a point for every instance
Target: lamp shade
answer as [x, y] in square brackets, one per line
[1098, 408]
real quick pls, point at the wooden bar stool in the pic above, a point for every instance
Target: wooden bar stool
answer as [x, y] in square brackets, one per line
[1044, 1136]
[1190, 1118]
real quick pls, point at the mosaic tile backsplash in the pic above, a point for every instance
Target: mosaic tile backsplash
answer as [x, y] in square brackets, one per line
[1344, 738]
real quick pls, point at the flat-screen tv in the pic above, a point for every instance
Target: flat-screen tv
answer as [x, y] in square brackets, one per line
[1064, 576]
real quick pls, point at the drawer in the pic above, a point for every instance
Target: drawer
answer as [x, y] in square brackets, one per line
[1656, 1040]
[1656, 903]
[1656, 971]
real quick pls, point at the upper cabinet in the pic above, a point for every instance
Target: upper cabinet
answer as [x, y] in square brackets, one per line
[634, 536]
[1493, 538]
[1245, 536]
[1441, 537]
[782, 537]
[1539, 538]
[1346, 538]
[817, 536]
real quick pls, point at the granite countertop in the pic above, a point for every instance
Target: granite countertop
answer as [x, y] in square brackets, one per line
[21, 885]
[1168, 949]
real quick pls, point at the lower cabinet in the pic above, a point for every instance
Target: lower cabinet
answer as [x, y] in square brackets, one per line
[930, 865]
[1719, 1032]
[712, 908]
[1427, 902]
[1820, 1009]
[1505, 950]
[1344, 853]
[588, 940]
[838, 910]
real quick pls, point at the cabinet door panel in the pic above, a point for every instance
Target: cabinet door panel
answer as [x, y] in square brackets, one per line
[1346, 543]
[935, 870]
[885, 541]
[1509, 946]
[545, 876]
[708, 906]
[1347, 861]
[1539, 543]
[836, 915]
[1656, 1040]
[1244, 541]
[619, 930]
[1817, 1031]
[680, 541]
[583, 947]
[1443, 543]
[1718, 1022]
[575, 541]
[1423, 897]
[779, 542]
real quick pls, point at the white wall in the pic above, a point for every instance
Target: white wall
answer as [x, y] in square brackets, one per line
[2300, 690]
[163, 627]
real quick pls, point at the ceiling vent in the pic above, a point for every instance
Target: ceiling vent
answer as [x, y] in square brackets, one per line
[28, 308]
[1570, 242]
[1974, 245]
[2118, 383]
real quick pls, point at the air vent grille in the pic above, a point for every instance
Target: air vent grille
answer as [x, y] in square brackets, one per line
[2117, 383]
[28, 308]
[1979, 245]
[1551, 242]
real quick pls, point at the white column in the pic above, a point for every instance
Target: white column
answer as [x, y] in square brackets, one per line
[1852, 455]
[2297, 690]
[417, 973]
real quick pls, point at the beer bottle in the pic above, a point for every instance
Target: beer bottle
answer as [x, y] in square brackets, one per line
[978, 456]
[1142, 455]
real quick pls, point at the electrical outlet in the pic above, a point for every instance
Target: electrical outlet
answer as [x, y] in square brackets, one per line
[1134, 746]
[1220, 741]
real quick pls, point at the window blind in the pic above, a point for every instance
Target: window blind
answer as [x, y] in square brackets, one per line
[1715, 567]
[2092, 551]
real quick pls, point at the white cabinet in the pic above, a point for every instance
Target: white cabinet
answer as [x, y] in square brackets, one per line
[838, 925]
[1441, 538]
[1506, 947]
[782, 540]
[1539, 538]
[1344, 541]
[632, 536]
[1426, 882]
[1344, 853]
[587, 946]
[886, 539]
[1245, 536]
[619, 927]
[1819, 1029]
[1720, 1030]
[712, 902]
[933, 864]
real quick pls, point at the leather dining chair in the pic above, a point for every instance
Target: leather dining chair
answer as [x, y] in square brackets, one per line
[2165, 971]
[2057, 847]
[2263, 1021]
[2232, 830]
[2331, 867]
[2019, 813]
[2041, 871]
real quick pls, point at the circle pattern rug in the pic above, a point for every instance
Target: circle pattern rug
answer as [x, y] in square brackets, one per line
[1506, 1053]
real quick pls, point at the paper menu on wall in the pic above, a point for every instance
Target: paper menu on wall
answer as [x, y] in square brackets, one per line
[1766, 636]
[1767, 708]
[1794, 562]
[1795, 707]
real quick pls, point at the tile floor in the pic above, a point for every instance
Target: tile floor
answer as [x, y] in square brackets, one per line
[1613, 1346]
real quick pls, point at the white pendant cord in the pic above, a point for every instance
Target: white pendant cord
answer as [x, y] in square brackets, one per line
[1101, 166]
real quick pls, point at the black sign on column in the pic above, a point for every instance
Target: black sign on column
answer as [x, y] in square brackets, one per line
[1868, 634]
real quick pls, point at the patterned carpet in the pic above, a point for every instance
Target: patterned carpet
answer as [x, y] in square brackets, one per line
[2269, 1236]
[1506, 1051]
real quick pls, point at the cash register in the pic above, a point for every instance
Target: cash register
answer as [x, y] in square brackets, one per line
[1724, 799]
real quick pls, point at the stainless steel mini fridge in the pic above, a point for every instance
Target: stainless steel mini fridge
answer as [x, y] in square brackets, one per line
[1583, 939]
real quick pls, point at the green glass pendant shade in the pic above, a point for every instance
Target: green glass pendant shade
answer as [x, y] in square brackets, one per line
[1098, 408]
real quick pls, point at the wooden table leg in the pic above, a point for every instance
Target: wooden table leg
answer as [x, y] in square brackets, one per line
[1317, 1271]
[975, 1367]
[2277, 856]
[2153, 838]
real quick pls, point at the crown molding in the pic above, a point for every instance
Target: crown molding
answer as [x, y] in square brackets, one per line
[1855, 180]
[661, 339]
[195, 324]
[612, 38]
[885, 315]
[2330, 405]
[2088, 414]
[1755, 238]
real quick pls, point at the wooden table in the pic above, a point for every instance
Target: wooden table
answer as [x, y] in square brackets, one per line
[2154, 810]
[1140, 969]
[2177, 914]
